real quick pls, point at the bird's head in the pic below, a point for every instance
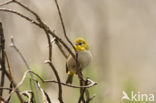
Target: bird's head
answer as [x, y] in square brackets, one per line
[81, 44]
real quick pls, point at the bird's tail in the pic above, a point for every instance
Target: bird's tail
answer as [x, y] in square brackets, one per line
[70, 77]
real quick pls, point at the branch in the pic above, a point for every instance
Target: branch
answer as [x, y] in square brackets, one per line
[61, 49]
[6, 3]
[81, 96]
[2, 99]
[42, 26]
[29, 94]
[92, 83]
[9, 75]
[9, 69]
[45, 96]
[63, 26]
[2, 48]
[58, 79]
[27, 65]
[3, 65]
[82, 90]
[19, 14]
[46, 29]
[87, 101]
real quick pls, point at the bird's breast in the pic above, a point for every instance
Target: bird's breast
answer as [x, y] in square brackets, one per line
[84, 58]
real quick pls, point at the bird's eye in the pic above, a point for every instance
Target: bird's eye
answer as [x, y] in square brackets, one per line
[81, 43]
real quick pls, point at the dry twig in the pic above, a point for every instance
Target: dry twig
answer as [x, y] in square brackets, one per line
[3, 66]
[58, 79]
[27, 65]
[2, 50]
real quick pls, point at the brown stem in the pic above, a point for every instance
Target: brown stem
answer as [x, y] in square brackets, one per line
[2, 48]
[58, 79]
[9, 75]
[63, 26]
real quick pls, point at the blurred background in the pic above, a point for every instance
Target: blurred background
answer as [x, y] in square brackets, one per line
[121, 35]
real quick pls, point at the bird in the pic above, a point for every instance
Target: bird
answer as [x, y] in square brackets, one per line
[84, 58]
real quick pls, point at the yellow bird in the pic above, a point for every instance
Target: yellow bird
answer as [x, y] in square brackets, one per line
[84, 58]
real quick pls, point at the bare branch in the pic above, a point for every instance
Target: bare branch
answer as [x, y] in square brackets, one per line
[3, 65]
[63, 26]
[9, 69]
[61, 49]
[47, 29]
[2, 99]
[92, 83]
[6, 88]
[19, 14]
[6, 3]
[29, 94]
[81, 96]
[58, 79]
[44, 94]
[87, 101]
[43, 26]
[27, 65]
[2, 48]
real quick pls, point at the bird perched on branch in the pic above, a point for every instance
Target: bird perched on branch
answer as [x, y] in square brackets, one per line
[84, 58]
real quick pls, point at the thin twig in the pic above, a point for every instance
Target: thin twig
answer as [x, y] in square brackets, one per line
[61, 49]
[31, 86]
[92, 83]
[82, 83]
[2, 48]
[87, 92]
[29, 95]
[58, 79]
[9, 75]
[6, 88]
[87, 101]
[19, 14]
[9, 69]
[81, 96]
[27, 65]
[82, 91]
[40, 26]
[6, 3]
[3, 68]
[46, 29]
[2, 99]
[17, 89]
[63, 26]
[45, 96]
